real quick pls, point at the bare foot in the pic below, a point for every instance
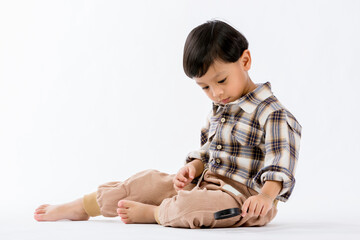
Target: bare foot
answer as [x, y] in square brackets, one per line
[72, 211]
[135, 212]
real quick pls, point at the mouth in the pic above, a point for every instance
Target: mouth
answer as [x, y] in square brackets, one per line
[224, 101]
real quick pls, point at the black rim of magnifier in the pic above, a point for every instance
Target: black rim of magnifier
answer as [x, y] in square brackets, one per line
[227, 213]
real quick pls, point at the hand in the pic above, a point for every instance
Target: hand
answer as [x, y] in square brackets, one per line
[185, 175]
[257, 205]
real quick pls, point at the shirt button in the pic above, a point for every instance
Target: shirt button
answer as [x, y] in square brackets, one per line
[223, 120]
[218, 161]
[219, 147]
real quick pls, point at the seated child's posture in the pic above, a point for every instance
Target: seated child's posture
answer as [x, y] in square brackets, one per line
[247, 159]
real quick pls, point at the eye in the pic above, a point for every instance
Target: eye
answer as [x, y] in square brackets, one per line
[222, 81]
[205, 88]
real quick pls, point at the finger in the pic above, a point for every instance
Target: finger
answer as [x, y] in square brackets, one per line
[177, 181]
[188, 181]
[245, 207]
[181, 178]
[258, 209]
[252, 208]
[179, 184]
[181, 175]
[264, 211]
[177, 187]
[187, 170]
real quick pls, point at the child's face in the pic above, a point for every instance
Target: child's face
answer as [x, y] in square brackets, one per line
[227, 82]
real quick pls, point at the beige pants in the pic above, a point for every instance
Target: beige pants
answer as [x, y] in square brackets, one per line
[193, 207]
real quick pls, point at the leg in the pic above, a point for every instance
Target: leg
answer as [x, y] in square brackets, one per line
[73, 211]
[149, 187]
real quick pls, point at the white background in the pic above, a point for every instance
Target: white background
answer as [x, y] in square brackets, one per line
[94, 91]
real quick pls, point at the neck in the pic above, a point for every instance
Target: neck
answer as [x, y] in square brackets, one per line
[250, 86]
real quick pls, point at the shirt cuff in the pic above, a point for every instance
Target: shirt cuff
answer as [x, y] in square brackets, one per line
[276, 173]
[197, 155]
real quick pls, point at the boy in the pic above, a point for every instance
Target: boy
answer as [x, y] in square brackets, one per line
[249, 150]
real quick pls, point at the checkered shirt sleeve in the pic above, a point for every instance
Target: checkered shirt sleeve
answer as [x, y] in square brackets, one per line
[282, 143]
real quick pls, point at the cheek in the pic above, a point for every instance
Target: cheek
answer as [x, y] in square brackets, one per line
[235, 90]
[231, 89]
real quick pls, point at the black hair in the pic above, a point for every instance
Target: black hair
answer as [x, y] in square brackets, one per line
[213, 40]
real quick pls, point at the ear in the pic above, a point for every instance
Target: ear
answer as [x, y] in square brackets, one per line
[245, 60]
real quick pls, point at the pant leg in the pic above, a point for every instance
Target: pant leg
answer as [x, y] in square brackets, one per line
[196, 208]
[149, 186]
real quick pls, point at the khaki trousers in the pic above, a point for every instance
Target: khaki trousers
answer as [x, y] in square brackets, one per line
[192, 207]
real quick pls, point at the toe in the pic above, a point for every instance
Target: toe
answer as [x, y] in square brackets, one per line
[39, 217]
[40, 211]
[126, 203]
[43, 206]
[120, 204]
[126, 220]
[124, 216]
[121, 210]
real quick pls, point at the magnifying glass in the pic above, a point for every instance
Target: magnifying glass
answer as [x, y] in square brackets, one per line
[227, 213]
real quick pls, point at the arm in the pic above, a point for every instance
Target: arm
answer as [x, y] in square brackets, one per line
[271, 189]
[282, 143]
[276, 178]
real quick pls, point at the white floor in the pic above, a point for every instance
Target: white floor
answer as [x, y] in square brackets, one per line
[283, 227]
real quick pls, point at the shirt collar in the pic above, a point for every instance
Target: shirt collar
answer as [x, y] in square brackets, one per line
[250, 101]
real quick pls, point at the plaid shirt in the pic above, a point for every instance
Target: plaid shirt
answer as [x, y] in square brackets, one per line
[252, 140]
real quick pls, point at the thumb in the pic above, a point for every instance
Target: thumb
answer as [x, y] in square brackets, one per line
[191, 172]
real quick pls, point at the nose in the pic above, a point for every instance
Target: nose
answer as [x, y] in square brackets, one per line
[217, 92]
